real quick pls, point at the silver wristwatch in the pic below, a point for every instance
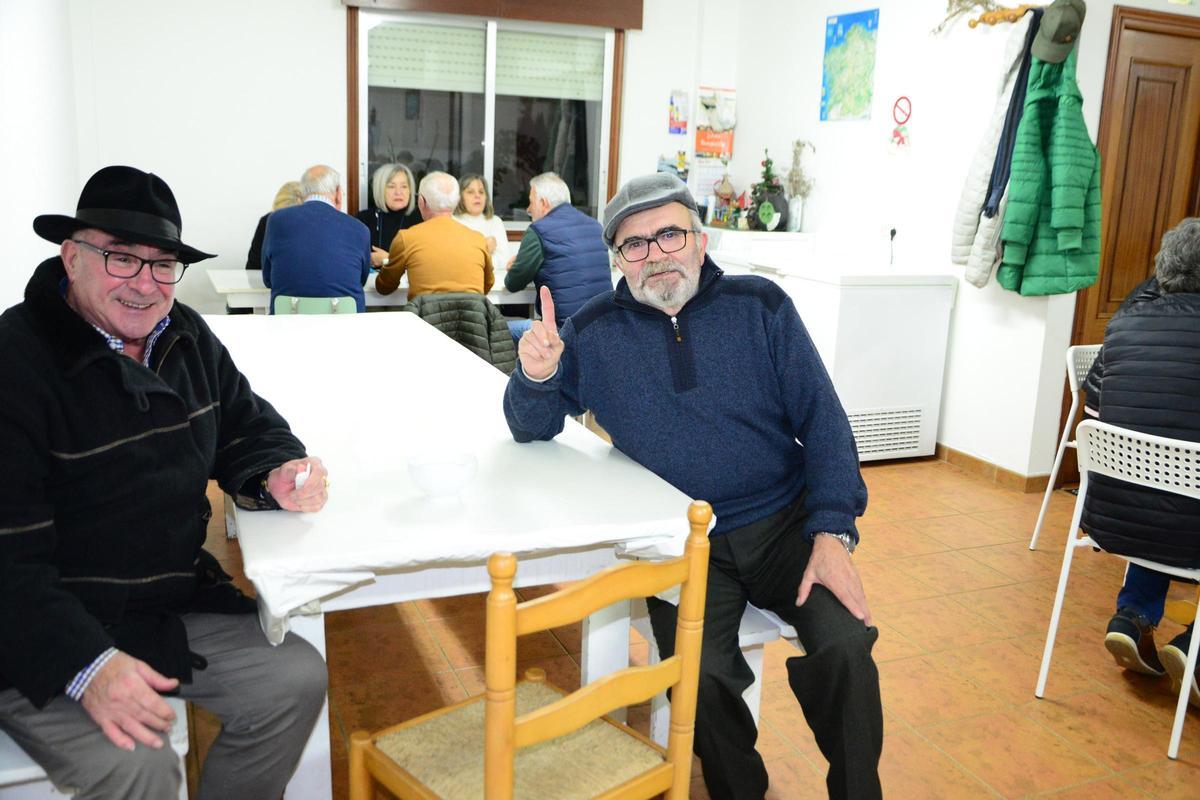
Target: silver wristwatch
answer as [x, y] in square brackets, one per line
[846, 539]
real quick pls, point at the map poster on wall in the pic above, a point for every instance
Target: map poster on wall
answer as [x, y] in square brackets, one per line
[849, 69]
[716, 115]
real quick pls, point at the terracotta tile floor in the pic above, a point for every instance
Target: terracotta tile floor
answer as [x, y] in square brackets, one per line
[962, 606]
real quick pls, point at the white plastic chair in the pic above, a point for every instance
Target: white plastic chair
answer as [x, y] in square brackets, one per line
[1172, 465]
[1079, 361]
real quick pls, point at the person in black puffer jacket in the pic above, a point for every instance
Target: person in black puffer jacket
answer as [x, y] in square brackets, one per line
[1146, 290]
[1149, 381]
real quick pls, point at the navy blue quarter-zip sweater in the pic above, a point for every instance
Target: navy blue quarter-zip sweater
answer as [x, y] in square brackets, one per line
[728, 400]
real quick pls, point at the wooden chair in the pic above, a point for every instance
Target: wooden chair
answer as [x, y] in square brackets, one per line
[287, 304]
[533, 741]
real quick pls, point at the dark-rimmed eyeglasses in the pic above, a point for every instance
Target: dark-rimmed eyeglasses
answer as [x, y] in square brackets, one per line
[671, 240]
[127, 265]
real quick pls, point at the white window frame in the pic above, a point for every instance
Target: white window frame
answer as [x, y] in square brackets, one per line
[370, 19]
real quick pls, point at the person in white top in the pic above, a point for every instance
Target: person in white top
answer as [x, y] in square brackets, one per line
[475, 211]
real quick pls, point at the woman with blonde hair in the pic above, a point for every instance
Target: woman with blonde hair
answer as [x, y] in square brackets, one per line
[288, 195]
[393, 191]
[475, 211]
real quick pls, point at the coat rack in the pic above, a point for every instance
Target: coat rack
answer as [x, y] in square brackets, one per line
[1001, 15]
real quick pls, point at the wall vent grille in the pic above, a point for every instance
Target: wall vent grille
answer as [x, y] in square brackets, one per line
[894, 431]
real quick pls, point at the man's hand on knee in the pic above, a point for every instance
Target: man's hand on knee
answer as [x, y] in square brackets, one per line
[830, 566]
[123, 699]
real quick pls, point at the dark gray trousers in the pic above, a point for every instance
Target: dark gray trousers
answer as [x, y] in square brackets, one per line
[267, 699]
[836, 681]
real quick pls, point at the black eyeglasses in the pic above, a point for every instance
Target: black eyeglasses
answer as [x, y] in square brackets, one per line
[671, 240]
[127, 265]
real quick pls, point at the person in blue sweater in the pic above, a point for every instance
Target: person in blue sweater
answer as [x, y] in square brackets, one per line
[712, 383]
[314, 249]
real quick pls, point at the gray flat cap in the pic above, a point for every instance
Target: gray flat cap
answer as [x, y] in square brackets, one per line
[648, 191]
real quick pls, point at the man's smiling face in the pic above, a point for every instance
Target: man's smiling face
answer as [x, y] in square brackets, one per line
[127, 308]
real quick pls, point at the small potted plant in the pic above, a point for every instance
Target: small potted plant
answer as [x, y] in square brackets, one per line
[767, 200]
[799, 184]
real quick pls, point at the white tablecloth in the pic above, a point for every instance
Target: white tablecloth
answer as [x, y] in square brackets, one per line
[365, 392]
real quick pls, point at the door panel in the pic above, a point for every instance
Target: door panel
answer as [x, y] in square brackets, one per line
[1149, 133]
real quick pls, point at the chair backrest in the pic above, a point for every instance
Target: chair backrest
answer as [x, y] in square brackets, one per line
[471, 320]
[506, 620]
[287, 304]
[1080, 358]
[1172, 465]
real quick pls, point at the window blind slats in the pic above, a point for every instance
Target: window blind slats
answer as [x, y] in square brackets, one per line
[431, 57]
[544, 65]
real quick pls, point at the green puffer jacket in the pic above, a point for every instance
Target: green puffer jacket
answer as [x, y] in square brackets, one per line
[471, 320]
[1052, 227]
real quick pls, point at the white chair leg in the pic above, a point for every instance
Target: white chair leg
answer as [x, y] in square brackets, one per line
[1068, 555]
[1185, 689]
[1063, 444]
[230, 519]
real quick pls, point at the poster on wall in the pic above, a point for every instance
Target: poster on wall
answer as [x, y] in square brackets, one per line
[848, 76]
[677, 113]
[716, 116]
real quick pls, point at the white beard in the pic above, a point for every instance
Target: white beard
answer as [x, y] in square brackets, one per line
[666, 296]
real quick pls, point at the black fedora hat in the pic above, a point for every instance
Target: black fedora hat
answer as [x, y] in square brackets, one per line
[124, 201]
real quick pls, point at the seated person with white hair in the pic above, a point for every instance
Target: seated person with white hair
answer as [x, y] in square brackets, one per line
[314, 249]
[440, 255]
[563, 249]
[395, 209]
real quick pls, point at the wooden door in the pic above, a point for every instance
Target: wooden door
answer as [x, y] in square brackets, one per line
[1149, 169]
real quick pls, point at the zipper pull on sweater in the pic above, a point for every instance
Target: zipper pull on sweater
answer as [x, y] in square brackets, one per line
[675, 325]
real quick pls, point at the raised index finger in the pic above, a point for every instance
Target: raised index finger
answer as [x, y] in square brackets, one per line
[548, 309]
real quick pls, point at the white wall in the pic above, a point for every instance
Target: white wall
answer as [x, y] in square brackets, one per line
[1004, 373]
[683, 44]
[37, 139]
[225, 99]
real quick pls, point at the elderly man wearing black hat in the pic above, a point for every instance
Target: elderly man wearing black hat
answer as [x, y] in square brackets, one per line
[118, 406]
[711, 382]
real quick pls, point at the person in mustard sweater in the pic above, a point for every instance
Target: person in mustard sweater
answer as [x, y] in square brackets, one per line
[440, 254]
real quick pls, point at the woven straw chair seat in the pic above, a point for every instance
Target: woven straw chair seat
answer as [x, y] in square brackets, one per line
[445, 753]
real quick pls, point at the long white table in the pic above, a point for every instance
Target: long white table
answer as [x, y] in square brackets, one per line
[364, 392]
[244, 288]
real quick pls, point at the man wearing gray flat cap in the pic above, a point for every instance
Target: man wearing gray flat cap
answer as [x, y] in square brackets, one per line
[711, 382]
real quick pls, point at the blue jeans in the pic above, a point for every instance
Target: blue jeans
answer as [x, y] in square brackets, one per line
[1144, 591]
[517, 327]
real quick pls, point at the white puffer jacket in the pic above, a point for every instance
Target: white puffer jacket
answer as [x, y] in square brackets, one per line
[976, 240]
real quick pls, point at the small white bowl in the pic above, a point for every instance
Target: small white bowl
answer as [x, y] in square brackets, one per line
[443, 475]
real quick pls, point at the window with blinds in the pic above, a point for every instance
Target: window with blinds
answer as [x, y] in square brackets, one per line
[428, 106]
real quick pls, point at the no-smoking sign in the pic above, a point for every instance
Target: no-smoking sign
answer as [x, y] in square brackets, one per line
[901, 113]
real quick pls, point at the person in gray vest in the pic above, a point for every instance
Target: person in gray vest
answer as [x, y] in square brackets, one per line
[563, 249]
